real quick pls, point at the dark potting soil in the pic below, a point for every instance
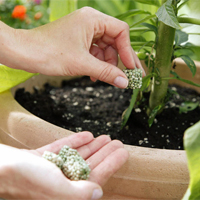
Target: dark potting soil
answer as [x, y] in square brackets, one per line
[81, 105]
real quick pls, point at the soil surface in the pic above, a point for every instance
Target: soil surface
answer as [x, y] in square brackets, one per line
[81, 105]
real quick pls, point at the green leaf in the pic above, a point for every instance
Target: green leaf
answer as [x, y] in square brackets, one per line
[192, 147]
[180, 37]
[150, 2]
[182, 4]
[189, 82]
[130, 108]
[145, 82]
[166, 15]
[190, 63]
[61, 8]
[143, 20]
[142, 56]
[176, 76]
[187, 194]
[112, 7]
[137, 38]
[151, 27]
[188, 106]
[131, 13]
[11, 77]
[154, 113]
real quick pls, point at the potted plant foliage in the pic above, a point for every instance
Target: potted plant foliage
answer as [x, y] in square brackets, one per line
[149, 173]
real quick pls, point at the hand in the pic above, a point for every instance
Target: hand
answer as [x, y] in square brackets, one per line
[85, 42]
[25, 175]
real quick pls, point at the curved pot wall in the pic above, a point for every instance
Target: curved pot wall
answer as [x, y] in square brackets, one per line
[148, 174]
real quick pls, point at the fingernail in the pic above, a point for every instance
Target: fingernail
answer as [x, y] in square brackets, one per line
[121, 82]
[97, 194]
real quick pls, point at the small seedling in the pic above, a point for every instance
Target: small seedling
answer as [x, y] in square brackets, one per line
[134, 78]
[70, 162]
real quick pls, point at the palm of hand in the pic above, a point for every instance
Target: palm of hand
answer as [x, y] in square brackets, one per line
[104, 156]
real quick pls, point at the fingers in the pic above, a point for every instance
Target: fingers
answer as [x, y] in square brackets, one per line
[106, 150]
[107, 54]
[105, 72]
[74, 141]
[116, 34]
[119, 30]
[97, 52]
[92, 147]
[107, 161]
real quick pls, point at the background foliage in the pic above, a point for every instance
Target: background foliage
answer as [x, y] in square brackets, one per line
[37, 13]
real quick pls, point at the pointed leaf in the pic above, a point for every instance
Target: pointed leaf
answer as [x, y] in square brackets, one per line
[150, 2]
[145, 82]
[154, 113]
[166, 15]
[143, 20]
[176, 76]
[11, 77]
[131, 13]
[187, 194]
[190, 63]
[180, 37]
[188, 106]
[130, 108]
[182, 4]
[192, 147]
[151, 27]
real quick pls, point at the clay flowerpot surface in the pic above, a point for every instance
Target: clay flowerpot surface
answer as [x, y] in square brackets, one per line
[148, 174]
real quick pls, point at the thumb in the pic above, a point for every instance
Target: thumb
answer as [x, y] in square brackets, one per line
[86, 190]
[105, 72]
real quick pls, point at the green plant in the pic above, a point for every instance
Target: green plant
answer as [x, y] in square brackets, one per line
[192, 147]
[170, 42]
[70, 162]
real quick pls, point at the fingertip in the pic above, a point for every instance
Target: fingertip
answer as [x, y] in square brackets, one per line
[93, 79]
[121, 82]
[87, 133]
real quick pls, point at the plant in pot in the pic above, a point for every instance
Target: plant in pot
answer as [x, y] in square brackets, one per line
[149, 173]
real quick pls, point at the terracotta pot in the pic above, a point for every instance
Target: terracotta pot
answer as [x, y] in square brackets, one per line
[148, 174]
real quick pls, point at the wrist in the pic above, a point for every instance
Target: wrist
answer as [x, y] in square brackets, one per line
[16, 51]
[6, 37]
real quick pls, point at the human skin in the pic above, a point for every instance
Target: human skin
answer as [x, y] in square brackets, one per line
[85, 42]
[24, 174]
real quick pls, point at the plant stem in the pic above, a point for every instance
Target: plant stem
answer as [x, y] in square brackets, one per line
[138, 29]
[189, 20]
[164, 49]
[148, 44]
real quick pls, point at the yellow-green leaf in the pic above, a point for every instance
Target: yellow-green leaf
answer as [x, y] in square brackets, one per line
[11, 77]
[192, 147]
[60, 8]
